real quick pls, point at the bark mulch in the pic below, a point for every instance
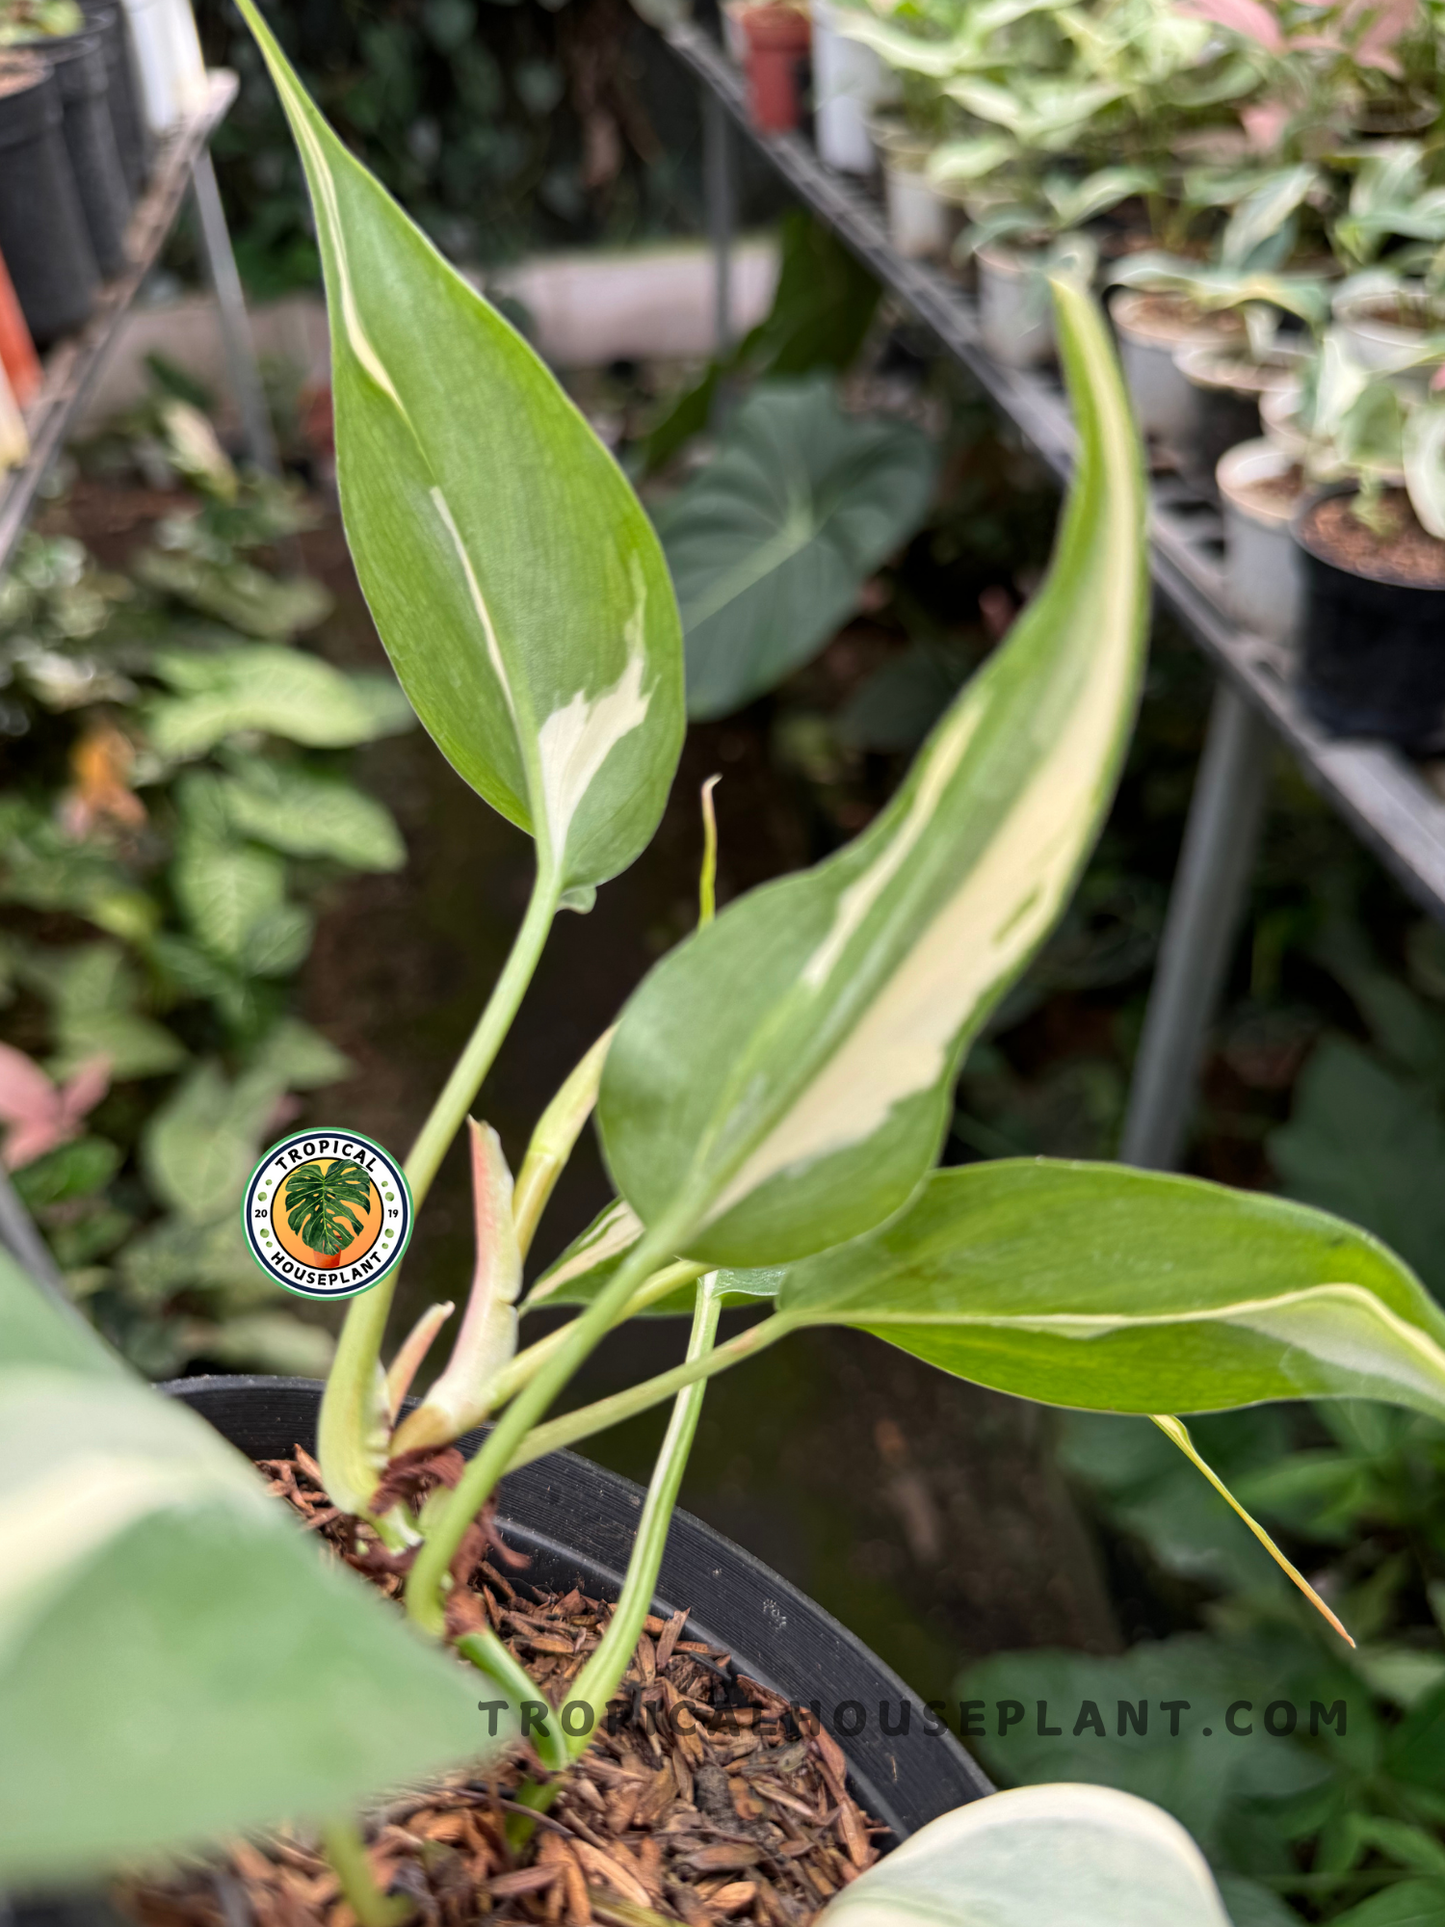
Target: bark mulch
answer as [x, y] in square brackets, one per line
[705, 1799]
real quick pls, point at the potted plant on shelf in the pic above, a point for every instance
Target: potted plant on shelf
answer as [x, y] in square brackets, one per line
[1385, 306]
[1372, 542]
[1201, 340]
[1019, 242]
[178, 1666]
[775, 37]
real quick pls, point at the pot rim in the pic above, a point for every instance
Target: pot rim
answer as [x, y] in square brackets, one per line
[1123, 313]
[904, 1780]
[1346, 307]
[1208, 364]
[1310, 501]
[1267, 455]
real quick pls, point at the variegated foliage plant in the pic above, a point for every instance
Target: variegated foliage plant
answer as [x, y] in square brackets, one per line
[173, 1662]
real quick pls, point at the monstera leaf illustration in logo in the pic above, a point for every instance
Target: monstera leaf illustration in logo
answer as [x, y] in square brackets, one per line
[319, 1201]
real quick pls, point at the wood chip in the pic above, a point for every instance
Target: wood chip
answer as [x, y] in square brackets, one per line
[607, 1867]
[736, 1895]
[670, 1635]
[525, 1880]
[729, 1856]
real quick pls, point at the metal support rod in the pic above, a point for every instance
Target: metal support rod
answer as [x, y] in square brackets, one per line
[1205, 904]
[245, 376]
[717, 176]
[20, 1237]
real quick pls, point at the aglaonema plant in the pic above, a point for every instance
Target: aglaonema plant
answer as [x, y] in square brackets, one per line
[175, 1664]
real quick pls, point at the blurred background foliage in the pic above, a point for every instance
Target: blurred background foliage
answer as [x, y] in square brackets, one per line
[502, 126]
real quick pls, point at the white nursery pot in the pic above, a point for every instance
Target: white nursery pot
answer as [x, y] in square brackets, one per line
[1262, 570]
[188, 65]
[150, 34]
[848, 83]
[1164, 402]
[918, 217]
[1377, 343]
[1015, 313]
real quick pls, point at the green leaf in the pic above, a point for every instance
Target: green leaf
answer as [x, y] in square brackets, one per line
[1369, 1143]
[305, 815]
[177, 1660]
[771, 542]
[233, 895]
[71, 1171]
[281, 691]
[1424, 446]
[1090, 1856]
[182, 1254]
[322, 1203]
[1260, 215]
[516, 582]
[93, 993]
[1410, 1903]
[299, 1058]
[1098, 1286]
[237, 593]
[199, 1149]
[782, 1080]
[263, 1341]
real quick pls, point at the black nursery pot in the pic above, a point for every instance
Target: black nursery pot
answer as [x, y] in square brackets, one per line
[1372, 656]
[576, 1522]
[132, 142]
[43, 235]
[1223, 419]
[83, 76]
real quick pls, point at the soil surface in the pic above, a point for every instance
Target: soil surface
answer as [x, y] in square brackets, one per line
[705, 1798]
[1177, 313]
[1272, 491]
[1398, 311]
[1405, 554]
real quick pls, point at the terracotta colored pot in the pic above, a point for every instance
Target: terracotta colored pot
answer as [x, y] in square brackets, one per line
[17, 352]
[778, 39]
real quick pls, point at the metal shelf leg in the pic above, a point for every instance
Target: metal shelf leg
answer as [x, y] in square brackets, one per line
[1205, 904]
[717, 174]
[235, 327]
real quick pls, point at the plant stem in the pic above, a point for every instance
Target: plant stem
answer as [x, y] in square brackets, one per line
[346, 1851]
[350, 1432]
[662, 1284]
[588, 1419]
[601, 1676]
[474, 1488]
[457, 1094]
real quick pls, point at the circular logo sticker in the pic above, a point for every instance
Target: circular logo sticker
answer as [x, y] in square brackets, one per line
[327, 1213]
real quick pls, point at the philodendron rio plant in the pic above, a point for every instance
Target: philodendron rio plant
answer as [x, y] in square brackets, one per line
[176, 1663]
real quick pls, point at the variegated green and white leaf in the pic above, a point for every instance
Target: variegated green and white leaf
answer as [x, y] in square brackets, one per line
[1036, 1857]
[177, 1660]
[516, 582]
[1424, 452]
[781, 1081]
[1097, 1286]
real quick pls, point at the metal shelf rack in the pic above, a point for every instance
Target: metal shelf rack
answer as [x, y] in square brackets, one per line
[72, 367]
[1387, 800]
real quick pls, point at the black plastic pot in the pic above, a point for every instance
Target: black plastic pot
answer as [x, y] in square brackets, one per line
[83, 75]
[131, 139]
[1223, 418]
[1372, 659]
[576, 1521]
[43, 234]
